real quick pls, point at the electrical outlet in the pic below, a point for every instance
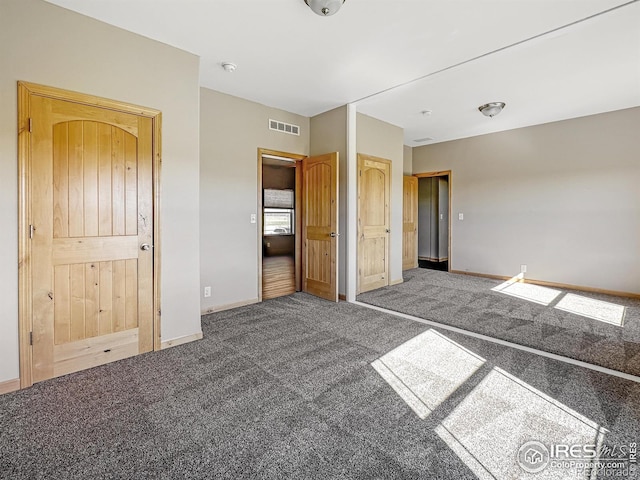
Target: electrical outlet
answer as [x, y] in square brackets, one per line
[207, 291]
[461, 216]
[523, 268]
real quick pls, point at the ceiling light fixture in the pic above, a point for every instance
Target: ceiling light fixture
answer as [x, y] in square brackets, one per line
[324, 8]
[229, 67]
[491, 109]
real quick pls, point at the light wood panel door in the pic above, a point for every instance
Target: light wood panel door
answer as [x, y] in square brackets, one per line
[409, 222]
[320, 226]
[92, 237]
[374, 193]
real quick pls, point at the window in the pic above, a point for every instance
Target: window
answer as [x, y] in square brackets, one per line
[279, 221]
[279, 213]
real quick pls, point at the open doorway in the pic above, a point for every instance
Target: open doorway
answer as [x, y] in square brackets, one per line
[434, 220]
[280, 224]
[297, 224]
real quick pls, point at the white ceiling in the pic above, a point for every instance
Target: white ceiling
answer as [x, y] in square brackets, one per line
[292, 59]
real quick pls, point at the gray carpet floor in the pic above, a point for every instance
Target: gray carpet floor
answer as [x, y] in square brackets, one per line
[578, 325]
[297, 387]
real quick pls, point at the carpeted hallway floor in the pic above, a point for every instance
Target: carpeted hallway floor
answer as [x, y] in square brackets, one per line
[598, 329]
[297, 387]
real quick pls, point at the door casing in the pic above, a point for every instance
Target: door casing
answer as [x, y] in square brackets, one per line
[25, 91]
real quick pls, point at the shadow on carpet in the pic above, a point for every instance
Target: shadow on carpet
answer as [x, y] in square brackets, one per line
[599, 329]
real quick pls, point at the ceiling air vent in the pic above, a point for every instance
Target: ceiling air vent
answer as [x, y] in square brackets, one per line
[425, 139]
[284, 127]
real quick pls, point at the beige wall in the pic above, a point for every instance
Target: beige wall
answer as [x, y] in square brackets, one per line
[43, 43]
[329, 134]
[562, 198]
[381, 139]
[232, 129]
[407, 168]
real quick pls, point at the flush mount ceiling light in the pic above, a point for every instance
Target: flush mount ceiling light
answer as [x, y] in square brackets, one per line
[229, 67]
[324, 8]
[491, 109]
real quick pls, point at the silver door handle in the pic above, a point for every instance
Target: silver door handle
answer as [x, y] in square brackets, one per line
[334, 234]
[145, 247]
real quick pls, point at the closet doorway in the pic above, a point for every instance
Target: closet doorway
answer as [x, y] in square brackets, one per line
[434, 220]
[281, 223]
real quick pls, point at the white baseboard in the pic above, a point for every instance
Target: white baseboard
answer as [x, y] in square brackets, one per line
[229, 306]
[396, 282]
[180, 340]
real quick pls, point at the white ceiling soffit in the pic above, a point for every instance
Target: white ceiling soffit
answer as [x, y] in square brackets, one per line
[292, 59]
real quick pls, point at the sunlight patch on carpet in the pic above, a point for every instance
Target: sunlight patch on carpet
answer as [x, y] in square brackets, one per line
[501, 414]
[427, 369]
[592, 308]
[527, 291]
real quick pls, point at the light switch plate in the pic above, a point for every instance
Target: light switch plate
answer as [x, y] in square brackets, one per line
[253, 218]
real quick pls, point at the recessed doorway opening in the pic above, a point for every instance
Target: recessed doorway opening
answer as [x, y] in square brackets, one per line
[297, 224]
[434, 220]
[280, 228]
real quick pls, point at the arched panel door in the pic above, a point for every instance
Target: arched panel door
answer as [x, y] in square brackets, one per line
[320, 226]
[92, 237]
[374, 186]
[409, 222]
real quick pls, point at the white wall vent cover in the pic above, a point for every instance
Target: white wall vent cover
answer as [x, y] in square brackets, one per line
[284, 127]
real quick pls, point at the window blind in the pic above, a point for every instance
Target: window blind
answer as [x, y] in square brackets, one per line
[278, 198]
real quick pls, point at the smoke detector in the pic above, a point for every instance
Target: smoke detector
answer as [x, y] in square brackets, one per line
[229, 67]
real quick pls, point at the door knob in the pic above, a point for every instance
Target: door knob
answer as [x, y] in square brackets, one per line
[334, 234]
[388, 230]
[145, 247]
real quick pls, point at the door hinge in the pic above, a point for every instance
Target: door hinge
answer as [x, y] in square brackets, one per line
[31, 230]
[30, 338]
[30, 126]
[360, 170]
